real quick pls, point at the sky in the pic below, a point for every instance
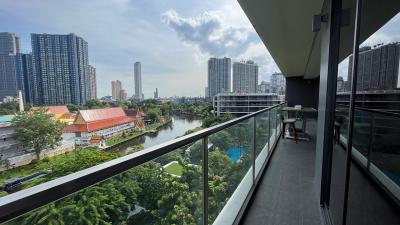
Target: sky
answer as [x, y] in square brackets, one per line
[173, 39]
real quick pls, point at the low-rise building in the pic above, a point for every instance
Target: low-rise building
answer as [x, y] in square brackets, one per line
[240, 104]
[9, 145]
[105, 123]
[60, 112]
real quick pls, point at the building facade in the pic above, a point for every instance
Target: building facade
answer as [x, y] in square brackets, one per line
[245, 77]
[156, 94]
[9, 43]
[24, 75]
[9, 82]
[240, 104]
[378, 68]
[138, 80]
[264, 87]
[340, 86]
[278, 83]
[219, 76]
[8, 78]
[92, 82]
[60, 69]
[103, 123]
[116, 87]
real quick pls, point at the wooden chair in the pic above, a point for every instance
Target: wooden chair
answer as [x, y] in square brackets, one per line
[292, 125]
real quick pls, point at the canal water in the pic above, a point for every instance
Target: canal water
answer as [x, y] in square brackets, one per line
[179, 125]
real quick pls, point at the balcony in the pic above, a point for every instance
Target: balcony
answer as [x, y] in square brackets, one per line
[253, 177]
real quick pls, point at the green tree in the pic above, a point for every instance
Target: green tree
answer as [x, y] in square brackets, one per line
[178, 204]
[37, 130]
[4, 162]
[48, 215]
[8, 108]
[96, 104]
[73, 107]
[154, 114]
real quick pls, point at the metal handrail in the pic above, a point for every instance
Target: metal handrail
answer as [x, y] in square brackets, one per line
[377, 111]
[16, 204]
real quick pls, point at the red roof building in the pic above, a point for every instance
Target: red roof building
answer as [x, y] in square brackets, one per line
[96, 120]
[134, 113]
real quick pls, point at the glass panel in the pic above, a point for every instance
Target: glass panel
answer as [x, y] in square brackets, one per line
[167, 190]
[338, 168]
[230, 174]
[262, 140]
[273, 117]
[385, 154]
[377, 88]
[361, 133]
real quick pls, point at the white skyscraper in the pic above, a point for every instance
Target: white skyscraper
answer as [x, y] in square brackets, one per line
[245, 77]
[219, 76]
[138, 81]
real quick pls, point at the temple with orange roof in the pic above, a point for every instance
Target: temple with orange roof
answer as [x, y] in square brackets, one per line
[103, 123]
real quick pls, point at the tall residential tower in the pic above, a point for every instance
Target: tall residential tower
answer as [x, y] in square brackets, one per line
[245, 77]
[219, 76]
[138, 81]
[60, 69]
[116, 87]
[9, 47]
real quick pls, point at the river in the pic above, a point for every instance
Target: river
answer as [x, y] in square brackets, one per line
[179, 125]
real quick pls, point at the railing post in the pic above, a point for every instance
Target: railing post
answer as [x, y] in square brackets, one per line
[205, 180]
[370, 141]
[269, 129]
[276, 123]
[254, 149]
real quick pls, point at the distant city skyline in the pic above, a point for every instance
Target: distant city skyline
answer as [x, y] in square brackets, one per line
[161, 35]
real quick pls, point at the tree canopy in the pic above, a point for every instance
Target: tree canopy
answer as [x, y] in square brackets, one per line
[37, 130]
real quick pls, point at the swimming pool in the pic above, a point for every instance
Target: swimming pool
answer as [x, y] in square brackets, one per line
[235, 153]
[6, 118]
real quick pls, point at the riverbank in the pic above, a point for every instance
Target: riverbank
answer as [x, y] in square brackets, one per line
[83, 158]
[151, 128]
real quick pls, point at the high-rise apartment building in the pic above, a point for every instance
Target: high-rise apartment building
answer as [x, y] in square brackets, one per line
[278, 83]
[264, 87]
[116, 87]
[378, 68]
[156, 94]
[8, 79]
[92, 82]
[138, 81]
[9, 43]
[23, 69]
[245, 77]
[60, 69]
[9, 47]
[219, 76]
[340, 86]
[122, 95]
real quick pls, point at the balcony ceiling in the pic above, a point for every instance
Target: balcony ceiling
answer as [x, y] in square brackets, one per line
[285, 28]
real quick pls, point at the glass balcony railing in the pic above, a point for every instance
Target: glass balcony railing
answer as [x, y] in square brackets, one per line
[205, 177]
[375, 144]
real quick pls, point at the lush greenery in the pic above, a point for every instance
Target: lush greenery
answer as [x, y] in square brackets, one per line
[174, 168]
[37, 130]
[166, 199]
[60, 165]
[9, 108]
